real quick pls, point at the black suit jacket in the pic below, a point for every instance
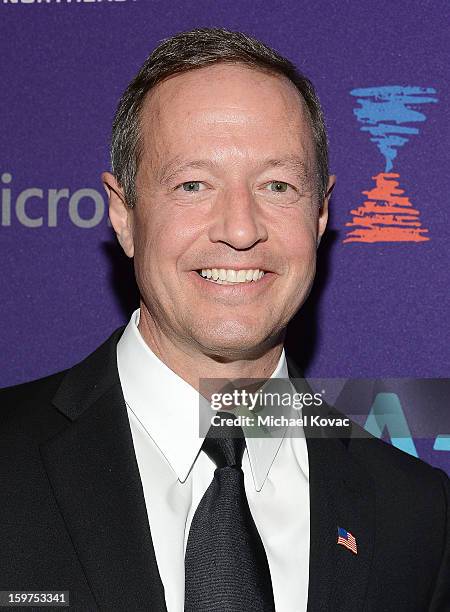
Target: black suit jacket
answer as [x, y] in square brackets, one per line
[73, 515]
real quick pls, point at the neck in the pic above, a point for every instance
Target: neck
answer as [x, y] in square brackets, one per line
[192, 363]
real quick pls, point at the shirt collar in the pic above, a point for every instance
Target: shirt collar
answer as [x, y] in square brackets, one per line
[168, 407]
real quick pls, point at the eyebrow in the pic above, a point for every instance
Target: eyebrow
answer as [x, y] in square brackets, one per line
[291, 162]
[176, 165]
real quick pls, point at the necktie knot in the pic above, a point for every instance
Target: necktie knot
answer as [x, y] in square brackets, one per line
[224, 444]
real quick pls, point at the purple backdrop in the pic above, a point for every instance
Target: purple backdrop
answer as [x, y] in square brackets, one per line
[379, 309]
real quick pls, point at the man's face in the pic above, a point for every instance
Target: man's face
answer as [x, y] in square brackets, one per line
[226, 182]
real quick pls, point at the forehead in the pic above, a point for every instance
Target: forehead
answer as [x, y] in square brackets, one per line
[225, 107]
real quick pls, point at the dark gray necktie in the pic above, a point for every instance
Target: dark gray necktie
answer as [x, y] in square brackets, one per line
[226, 568]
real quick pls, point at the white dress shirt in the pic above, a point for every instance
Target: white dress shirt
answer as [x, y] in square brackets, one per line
[163, 411]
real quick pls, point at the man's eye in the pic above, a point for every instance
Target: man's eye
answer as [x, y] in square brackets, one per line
[278, 186]
[191, 186]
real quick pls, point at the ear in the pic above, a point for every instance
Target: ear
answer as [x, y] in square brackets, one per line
[119, 213]
[323, 212]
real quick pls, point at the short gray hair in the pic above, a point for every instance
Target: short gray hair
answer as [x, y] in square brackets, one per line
[197, 49]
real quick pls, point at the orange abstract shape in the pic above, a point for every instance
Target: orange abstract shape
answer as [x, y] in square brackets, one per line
[387, 215]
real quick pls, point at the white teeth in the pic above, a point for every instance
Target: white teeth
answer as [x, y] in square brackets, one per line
[230, 276]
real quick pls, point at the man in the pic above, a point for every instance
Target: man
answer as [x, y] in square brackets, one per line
[219, 192]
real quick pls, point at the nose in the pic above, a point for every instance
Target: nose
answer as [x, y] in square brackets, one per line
[237, 220]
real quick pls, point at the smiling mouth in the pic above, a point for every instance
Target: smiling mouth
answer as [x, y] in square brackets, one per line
[223, 276]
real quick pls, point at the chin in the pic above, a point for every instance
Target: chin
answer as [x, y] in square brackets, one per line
[234, 339]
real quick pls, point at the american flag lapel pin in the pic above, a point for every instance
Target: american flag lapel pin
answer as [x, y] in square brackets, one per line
[345, 538]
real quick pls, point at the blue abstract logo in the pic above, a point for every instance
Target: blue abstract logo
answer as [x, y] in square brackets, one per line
[384, 111]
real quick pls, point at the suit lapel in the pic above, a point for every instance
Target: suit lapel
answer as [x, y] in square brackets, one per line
[94, 475]
[341, 495]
